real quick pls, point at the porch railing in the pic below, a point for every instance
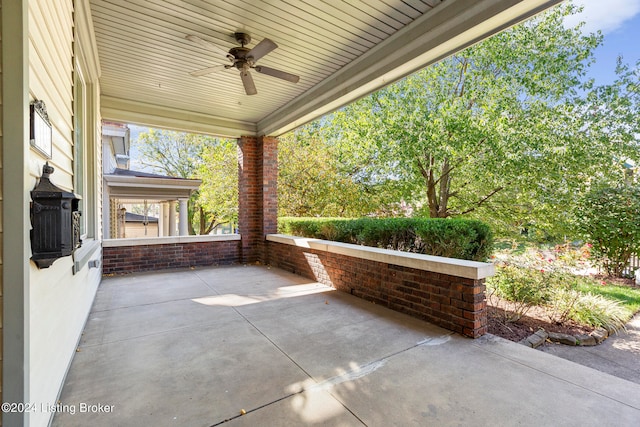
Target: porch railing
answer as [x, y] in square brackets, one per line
[120, 256]
[444, 291]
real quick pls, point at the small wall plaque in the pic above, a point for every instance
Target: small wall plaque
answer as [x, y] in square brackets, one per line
[40, 135]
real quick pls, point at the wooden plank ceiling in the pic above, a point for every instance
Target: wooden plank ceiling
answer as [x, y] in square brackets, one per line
[145, 58]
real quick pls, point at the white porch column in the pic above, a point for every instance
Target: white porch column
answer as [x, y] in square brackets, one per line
[112, 219]
[184, 218]
[122, 223]
[161, 220]
[172, 218]
[165, 218]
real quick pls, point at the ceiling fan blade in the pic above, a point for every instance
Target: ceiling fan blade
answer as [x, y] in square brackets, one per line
[277, 73]
[206, 44]
[207, 70]
[261, 49]
[247, 81]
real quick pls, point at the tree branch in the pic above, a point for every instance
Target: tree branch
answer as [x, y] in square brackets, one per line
[447, 172]
[481, 201]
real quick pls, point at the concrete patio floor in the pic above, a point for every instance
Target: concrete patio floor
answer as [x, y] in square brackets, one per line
[197, 347]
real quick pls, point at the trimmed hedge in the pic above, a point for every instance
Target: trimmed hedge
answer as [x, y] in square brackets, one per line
[452, 238]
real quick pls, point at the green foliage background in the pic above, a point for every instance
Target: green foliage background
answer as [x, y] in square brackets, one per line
[195, 156]
[610, 221]
[509, 131]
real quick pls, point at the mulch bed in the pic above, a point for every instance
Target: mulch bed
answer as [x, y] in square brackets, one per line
[536, 318]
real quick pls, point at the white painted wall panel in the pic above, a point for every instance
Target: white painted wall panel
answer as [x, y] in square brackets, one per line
[59, 301]
[1, 209]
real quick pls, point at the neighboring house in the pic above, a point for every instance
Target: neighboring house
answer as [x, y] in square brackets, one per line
[137, 225]
[129, 61]
[124, 186]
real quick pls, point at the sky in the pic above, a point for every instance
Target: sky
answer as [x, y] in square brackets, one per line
[619, 21]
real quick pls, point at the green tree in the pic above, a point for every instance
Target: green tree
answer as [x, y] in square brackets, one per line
[322, 176]
[217, 200]
[609, 220]
[195, 156]
[172, 153]
[612, 116]
[497, 130]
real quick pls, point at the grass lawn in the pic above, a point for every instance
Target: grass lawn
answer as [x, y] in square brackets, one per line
[629, 297]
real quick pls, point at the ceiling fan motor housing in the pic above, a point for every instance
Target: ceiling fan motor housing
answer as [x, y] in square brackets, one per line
[242, 38]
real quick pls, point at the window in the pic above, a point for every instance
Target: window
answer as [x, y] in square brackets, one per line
[79, 149]
[86, 143]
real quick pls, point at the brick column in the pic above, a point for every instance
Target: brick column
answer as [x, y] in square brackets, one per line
[258, 194]
[269, 172]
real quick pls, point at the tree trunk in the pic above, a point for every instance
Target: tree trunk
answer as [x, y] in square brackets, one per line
[445, 188]
[432, 195]
[203, 222]
[205, 225]
[438, 203]
[190, 214]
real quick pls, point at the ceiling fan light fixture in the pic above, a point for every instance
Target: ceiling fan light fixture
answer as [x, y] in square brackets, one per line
[244, 59]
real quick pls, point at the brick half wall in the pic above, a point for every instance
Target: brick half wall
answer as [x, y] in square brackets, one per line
[419, 285]
[119, 258]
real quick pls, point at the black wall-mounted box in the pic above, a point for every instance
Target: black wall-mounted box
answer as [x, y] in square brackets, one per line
[55, 221]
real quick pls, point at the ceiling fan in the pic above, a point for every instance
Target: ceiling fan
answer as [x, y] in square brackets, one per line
[244, 59]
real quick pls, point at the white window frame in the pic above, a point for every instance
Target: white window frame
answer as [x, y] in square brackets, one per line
[80, 149]
[85, 146]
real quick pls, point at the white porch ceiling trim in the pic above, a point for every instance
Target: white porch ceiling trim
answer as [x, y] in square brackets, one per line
[140, 113]
[446, 29]
[150, 188]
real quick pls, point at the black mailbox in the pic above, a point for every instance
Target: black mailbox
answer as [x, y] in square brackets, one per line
[55, 221]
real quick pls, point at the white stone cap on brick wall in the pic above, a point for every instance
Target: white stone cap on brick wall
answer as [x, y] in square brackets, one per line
[140, 241]
[436, 264]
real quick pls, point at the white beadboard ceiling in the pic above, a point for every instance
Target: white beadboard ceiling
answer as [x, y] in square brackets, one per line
[341, 50]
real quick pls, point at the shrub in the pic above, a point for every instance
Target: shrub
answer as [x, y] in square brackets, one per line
[564, 295]
[319, 228]
[608, 219]
[598, 311]
[522, 288]
[469, 239]
[562, 304]
[454, 238]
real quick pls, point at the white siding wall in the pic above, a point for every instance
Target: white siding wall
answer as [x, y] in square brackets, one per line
[107, 155]
[59, 301]
[1, 201]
